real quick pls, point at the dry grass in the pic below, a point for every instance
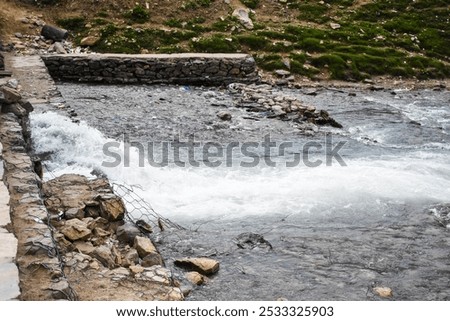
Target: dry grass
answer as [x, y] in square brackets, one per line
[10, 14]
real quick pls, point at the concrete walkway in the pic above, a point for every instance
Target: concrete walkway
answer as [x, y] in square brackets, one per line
[9, 274]
[34, 79]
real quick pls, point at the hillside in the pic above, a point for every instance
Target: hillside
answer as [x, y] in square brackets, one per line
[333, 39]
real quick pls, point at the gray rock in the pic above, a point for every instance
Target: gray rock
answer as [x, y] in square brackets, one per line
[127, 233]
[61, 290]
[335, 26]
[223, 115]
[242, 15]
[59, 48]
[252, 240]
[13, 83]
[282, 73]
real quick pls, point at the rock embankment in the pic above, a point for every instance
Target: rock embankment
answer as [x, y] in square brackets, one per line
[202, 69]
[41, 276]
[98, 245]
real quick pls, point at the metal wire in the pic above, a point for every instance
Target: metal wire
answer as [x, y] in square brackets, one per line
[138, 209]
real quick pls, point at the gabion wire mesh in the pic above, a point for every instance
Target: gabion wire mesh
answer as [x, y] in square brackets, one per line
[138, 209]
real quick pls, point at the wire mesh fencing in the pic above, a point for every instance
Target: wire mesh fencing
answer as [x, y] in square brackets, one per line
[139, 211]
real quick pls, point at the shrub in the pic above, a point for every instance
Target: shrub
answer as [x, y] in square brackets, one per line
[215, 44]
[74, 24]
[252, 4]
[138, 15]
[254, 42]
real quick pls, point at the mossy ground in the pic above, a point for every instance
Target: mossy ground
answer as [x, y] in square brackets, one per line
[401, 38]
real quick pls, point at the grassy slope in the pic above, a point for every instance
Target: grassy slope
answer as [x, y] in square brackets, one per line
[380, 37]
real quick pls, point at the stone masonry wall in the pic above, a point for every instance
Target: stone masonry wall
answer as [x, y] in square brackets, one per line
[189, 69]
[37, 256]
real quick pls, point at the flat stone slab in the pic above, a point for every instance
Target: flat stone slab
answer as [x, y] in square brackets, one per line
[8, 249]
[9, 274]
[5, 218]
[9, 282]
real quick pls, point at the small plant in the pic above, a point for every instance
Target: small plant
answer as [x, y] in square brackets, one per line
[138, 15]
[100, 21]
[270, 62]
[195, 4]
[102, 14]
[313, 12]
[174, 23]
[74, 24]
[253, 42]
[252, 4]
[216, 44]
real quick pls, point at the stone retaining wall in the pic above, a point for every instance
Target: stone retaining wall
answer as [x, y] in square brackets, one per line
[189, 69]
[37, 256]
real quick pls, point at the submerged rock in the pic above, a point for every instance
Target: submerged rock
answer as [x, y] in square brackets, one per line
[252, 240]
[223, 115]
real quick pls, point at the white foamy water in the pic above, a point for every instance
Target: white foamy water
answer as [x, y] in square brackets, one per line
[368, 186]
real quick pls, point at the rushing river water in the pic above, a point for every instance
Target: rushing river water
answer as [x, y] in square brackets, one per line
[336, 231]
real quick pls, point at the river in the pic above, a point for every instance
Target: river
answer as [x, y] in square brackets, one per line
[345, 210]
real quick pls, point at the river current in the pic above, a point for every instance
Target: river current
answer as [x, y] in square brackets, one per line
[345, 210]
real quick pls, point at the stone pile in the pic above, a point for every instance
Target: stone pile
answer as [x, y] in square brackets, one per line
[95, 239]
[37, 41]
[264, 101]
